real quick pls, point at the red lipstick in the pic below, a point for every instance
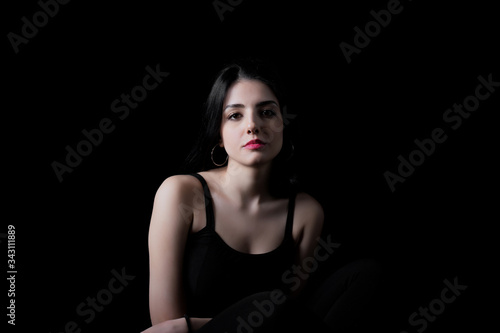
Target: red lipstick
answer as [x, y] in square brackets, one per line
[254, 144]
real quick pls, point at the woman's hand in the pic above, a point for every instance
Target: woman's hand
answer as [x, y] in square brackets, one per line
[178, 325]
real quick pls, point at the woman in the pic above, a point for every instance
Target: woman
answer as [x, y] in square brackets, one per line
[223, 241]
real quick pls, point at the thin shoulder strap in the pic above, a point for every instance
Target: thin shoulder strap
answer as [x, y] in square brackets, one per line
[209, 209]
[289, 218]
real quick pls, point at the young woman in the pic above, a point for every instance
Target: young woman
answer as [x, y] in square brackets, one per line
[228, 244]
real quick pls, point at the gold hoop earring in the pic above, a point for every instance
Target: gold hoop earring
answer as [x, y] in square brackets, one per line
[212, 156]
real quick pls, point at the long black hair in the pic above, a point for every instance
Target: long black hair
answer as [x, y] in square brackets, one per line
[283, 176]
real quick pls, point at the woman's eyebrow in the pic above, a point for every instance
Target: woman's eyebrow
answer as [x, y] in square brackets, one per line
[258, 104]
[234, 106]
[266, 103]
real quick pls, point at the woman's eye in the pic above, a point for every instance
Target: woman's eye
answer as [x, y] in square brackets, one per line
[268, 113]
[234, 116]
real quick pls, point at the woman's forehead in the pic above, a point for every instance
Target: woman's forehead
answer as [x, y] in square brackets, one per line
[249, 93]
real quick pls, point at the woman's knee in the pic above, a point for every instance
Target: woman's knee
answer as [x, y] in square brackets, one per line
[370, 267]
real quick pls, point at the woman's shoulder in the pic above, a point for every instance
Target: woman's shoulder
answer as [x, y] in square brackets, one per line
[308, 210]
[306, 201]
[180, 180]
[180, 186]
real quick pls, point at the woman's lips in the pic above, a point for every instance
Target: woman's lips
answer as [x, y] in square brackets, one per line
[254, 144]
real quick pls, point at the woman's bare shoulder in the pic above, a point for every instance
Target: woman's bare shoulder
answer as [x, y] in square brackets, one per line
[308, 211]
[305, 201]
[180, 187]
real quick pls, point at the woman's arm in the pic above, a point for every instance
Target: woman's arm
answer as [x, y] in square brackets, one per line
[309, 218]
[178, 325]
[168, 233]
[170, 225]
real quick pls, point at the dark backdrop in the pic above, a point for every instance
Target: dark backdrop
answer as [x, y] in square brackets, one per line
[352, 120]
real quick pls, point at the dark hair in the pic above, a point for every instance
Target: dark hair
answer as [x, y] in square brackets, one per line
[283, 174]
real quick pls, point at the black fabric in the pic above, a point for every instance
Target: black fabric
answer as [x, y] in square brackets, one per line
[337, 305]
[245, 293]
[341, 301]
[218, 276]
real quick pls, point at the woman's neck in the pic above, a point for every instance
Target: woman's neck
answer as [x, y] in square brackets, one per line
[247, 186]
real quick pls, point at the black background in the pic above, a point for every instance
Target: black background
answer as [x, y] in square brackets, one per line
[353, 120]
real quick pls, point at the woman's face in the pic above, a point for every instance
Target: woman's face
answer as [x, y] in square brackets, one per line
[252, 125]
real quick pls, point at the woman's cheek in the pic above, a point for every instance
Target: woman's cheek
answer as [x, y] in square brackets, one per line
[276, 125]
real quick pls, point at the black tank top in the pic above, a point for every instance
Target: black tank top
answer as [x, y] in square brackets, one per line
[216, 275]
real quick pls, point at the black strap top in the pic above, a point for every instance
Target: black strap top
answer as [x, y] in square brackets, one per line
[216, 275]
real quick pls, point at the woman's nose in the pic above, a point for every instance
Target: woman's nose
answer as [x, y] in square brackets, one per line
[252, 128]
